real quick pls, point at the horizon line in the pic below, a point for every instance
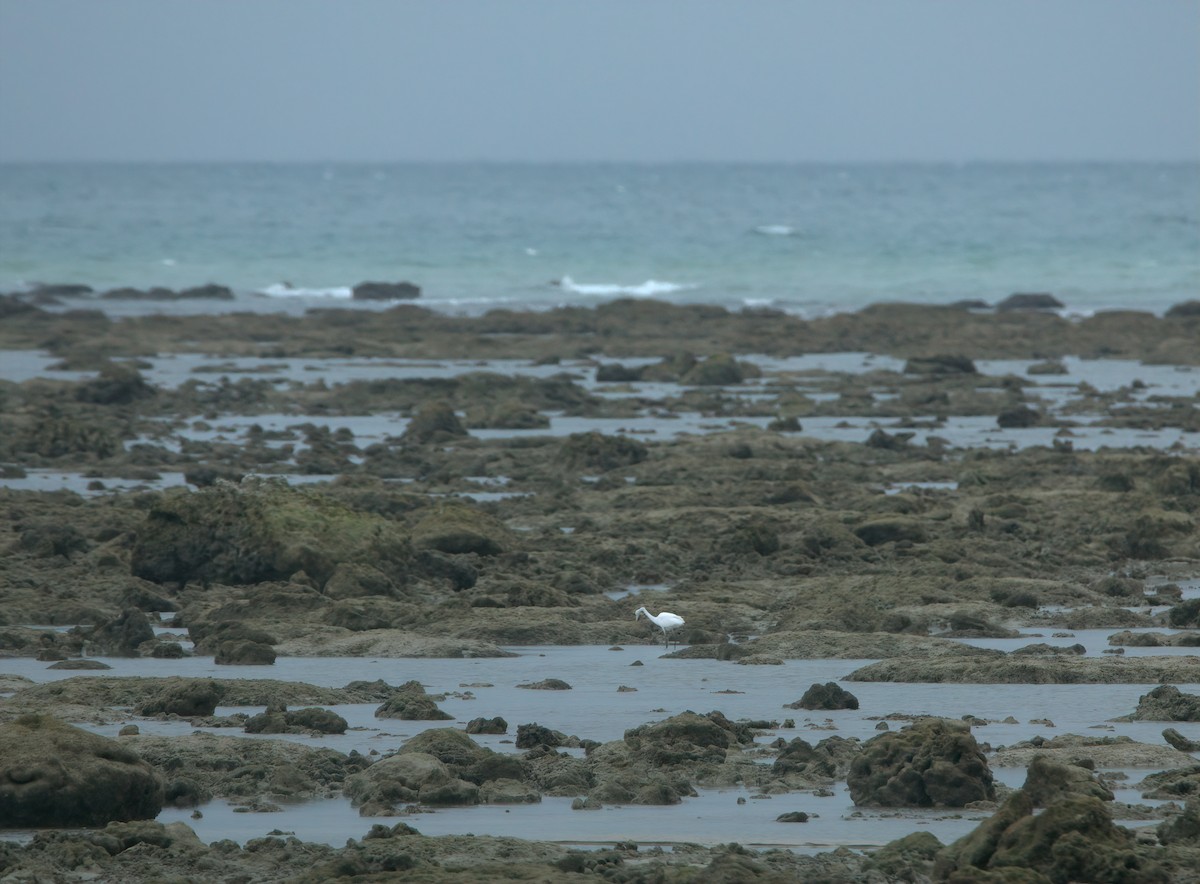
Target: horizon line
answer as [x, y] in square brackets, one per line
[463, 161]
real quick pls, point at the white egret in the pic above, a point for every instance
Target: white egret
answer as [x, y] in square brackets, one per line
[666, 621]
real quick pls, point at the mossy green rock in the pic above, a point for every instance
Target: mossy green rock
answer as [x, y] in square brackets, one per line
[54, 774]
[457, 528]
[258, 531]
[934, 763]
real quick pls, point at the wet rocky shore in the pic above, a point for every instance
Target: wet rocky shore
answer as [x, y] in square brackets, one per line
[399, 484]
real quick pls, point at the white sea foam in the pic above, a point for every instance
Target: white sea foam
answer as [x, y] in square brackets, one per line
[287, 290]
[776, 230]
[647, 289]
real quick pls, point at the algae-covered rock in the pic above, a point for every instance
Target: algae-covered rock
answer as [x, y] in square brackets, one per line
[933, 763]
[53, 774]
[596, 451]
[1073, 839]
[185, 697]
[258, 531]
[411, 703]
[684, 739]
[352, 580]
[457, 528]
[120, 636]
[435, 422]
[1167, 703]
[495, 725]
[1047, 781]
[244, 653]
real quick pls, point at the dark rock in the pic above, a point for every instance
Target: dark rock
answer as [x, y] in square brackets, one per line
[1184, 614]
[185, 792]
[185, 697]
[386, 291]
[210, 291]
[943, 364]
[906, 859]
[118, 383]
[1183, 309]
[411, 703]
[1073, 839]
[208, 635]
[313, 718]
[933, 763]
[1030, 301]
[1179, 741]
[615, 373]
[547, 684]
[78, 664]
[244, 653]
[49, 540]
[1048, 781]
[887, 441]
[720, 370]
[1018, 417]
[795, 816]
[449, 746]
[53, 774]
[356, 580]
[62, 290]
[495, 725]
[530, 736]
[256, 532]
[595, 451]
[435, 422]
[121, 636]
[457, 528]
[1183, 828]
[1167, 703]
[684, 739]
[825, 696]
[167, 651]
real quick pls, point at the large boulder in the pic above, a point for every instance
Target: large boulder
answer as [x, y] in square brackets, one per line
[1073, 839]
[934, 763]
[120, 636]
[1047, 781]
[185, 697]
[53, 774]
[683, 739]
[258, 531]
[825, 696]
[1167, 703]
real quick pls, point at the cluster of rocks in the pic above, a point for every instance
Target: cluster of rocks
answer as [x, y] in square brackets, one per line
[762, 532]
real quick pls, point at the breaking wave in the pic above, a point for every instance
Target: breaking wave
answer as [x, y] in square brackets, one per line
[647, 289]
[287, 290]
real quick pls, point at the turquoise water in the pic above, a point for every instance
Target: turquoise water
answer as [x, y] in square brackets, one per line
[806, 238]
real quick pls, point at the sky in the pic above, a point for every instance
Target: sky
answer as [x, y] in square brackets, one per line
[603, 80]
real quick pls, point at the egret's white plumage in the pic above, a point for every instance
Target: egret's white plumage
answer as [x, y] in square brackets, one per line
[666, 621]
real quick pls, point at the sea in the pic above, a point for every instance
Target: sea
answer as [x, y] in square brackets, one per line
[808, 239]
